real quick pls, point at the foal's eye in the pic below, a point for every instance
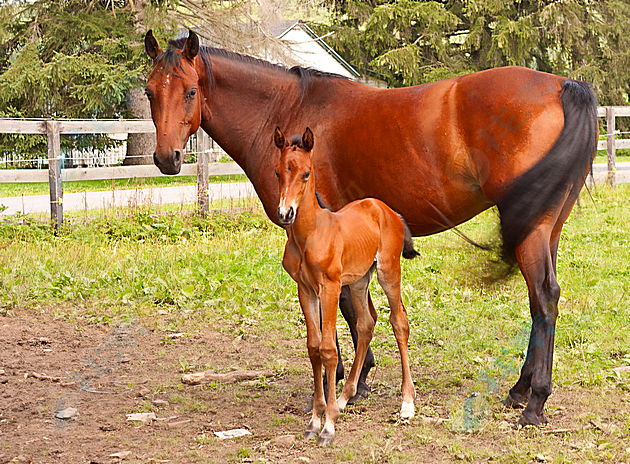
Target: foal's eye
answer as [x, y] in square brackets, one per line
[191, 94]
[305, 176]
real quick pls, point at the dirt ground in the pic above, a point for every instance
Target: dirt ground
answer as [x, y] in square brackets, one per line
[98, 375]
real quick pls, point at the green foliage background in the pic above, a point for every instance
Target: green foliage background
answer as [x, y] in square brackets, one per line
[68, 59]
[416, 41]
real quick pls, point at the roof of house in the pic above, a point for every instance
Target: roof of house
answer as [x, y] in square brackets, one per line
[299, 47]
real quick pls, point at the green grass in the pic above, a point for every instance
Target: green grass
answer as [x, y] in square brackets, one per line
[228, 270]
[178, 271]
[42, 188]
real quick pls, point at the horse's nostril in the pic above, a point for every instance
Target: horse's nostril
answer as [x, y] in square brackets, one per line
[177, 157]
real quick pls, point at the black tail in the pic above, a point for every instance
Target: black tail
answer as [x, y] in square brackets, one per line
[564, 168]
[409, 252]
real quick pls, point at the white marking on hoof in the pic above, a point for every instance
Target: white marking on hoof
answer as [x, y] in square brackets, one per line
[341, 403]
[407, 411]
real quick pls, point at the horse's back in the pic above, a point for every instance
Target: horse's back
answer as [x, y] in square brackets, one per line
[452, 146]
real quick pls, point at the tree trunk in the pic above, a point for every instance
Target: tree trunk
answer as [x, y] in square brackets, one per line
[140, 147]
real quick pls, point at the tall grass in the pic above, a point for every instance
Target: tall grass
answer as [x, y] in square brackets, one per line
[226, 271]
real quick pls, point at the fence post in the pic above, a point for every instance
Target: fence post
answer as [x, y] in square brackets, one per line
[610, 146]
[203, 197]
[54, 173]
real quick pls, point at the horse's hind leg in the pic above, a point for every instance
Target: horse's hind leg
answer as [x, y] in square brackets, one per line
[350, 315]
[536, 256]
[366, 319]
[389, 277]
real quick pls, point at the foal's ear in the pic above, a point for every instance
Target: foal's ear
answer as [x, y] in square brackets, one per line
[307, 140]
[151, 45]
[191, 48]
[279, 140]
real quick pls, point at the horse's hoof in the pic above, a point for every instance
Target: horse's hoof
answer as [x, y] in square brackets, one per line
[310, 435]
[309, 406]
[512, 402]
[530, 419]
[363, 391]
[323, 441]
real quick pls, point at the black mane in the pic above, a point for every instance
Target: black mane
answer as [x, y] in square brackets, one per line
[170, 59]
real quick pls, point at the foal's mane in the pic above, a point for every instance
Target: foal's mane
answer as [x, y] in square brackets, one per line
[170, 60]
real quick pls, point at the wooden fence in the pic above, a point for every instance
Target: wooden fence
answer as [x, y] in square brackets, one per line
[53, 129]
[56, 176]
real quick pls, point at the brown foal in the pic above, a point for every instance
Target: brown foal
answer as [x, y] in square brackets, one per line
[327, 250]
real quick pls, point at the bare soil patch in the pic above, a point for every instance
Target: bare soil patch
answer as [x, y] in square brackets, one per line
[99, 374]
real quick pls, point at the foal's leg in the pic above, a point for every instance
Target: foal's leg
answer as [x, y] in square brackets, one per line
[365, 329]
[310, 308]
[536, 257]
[350, 315]
[329, 298]
[389, 276]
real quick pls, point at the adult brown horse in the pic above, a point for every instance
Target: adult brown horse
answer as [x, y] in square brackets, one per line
[438, 154]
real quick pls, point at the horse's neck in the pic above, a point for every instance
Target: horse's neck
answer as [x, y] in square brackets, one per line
[245, 106]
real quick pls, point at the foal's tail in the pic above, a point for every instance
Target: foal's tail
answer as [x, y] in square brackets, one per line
[563, 169]
[409, 252]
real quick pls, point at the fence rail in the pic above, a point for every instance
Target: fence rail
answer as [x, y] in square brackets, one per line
[56, 176]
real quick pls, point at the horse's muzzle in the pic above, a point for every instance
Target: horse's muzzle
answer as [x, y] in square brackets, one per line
[286, 216]
[173, 163]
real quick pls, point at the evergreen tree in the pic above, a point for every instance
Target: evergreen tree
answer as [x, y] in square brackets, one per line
[417, 41]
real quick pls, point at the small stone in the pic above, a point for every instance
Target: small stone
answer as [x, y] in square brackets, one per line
[143, 417]
[460, 457]
[121, 455]
[66, 413]
[284, 440]
[1, 371]
[143, 391]
[160, 403]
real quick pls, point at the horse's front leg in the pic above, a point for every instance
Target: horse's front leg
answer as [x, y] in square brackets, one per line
[349, 313]
[310, 308]
[329, 298]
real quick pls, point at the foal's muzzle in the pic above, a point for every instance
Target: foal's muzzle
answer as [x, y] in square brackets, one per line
[286, 216]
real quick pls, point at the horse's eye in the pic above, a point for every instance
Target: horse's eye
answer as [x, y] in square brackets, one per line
[148, 94]
[306, 176]
[276, 173]
[191, 94]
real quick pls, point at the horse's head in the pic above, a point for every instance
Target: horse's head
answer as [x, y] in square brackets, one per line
[174, 90]
[293, 171]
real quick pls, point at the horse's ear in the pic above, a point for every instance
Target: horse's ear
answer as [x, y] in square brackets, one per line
[192, 46]
[307, 140]
[279, 140]
[151, 45]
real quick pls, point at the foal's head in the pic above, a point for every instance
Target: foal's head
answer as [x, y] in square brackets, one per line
[294, 170]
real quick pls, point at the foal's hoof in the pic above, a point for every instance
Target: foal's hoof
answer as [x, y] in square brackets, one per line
[324, 441]
[363, 391]
[310, 435]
